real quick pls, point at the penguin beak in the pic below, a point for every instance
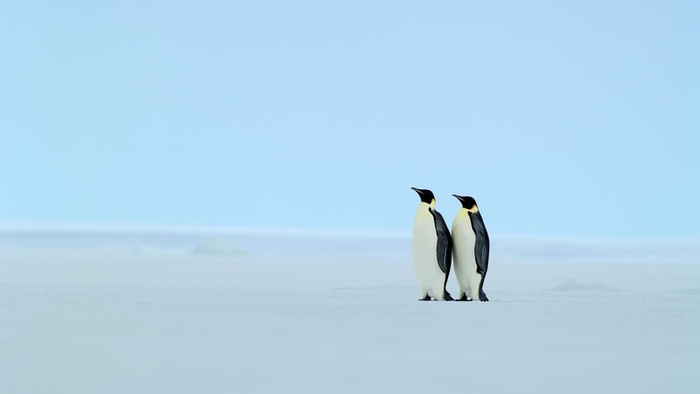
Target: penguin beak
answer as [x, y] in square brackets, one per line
[417, 190]
[457, 197]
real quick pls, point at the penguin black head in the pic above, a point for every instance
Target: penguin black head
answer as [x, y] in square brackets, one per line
[468, 202]
[426, 195]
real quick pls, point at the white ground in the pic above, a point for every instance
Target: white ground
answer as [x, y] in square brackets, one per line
[287, 313]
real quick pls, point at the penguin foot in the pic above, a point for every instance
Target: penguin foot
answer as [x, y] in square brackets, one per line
[482, 297]
[447, 296]
[463, 298]
[426, 298]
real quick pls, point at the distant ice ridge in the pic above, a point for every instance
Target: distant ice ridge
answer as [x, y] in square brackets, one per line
[230, 243]
[219, 247]
[575, 285]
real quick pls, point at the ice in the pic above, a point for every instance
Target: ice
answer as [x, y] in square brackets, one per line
[225, 312]
[219, 247]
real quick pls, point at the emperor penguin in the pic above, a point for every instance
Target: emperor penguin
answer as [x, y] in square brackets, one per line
[471, 250]
[432, 249]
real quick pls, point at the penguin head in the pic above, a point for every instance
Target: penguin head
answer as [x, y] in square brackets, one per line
[425, 195]
[468, 203]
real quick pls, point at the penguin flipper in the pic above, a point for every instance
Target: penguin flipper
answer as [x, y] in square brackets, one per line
[482, 244]
[444, 243]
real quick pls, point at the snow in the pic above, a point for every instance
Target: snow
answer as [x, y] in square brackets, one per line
[225, 312]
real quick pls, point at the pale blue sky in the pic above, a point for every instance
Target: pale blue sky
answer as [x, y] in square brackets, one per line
[569, 118]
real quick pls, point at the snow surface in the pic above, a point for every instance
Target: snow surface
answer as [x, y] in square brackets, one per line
[243, 312]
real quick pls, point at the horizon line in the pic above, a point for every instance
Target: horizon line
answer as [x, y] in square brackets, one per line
[112, 227]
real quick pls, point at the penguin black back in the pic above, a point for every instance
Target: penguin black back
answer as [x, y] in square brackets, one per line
[444, 244]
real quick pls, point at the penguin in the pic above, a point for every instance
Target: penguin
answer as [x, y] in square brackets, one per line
[432, 249]
[471, 250]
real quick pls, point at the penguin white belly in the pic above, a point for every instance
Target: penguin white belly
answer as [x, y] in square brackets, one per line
[430, 276]
[464, 258]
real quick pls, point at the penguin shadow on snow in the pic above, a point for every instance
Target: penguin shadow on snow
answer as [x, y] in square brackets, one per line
[434, 247]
